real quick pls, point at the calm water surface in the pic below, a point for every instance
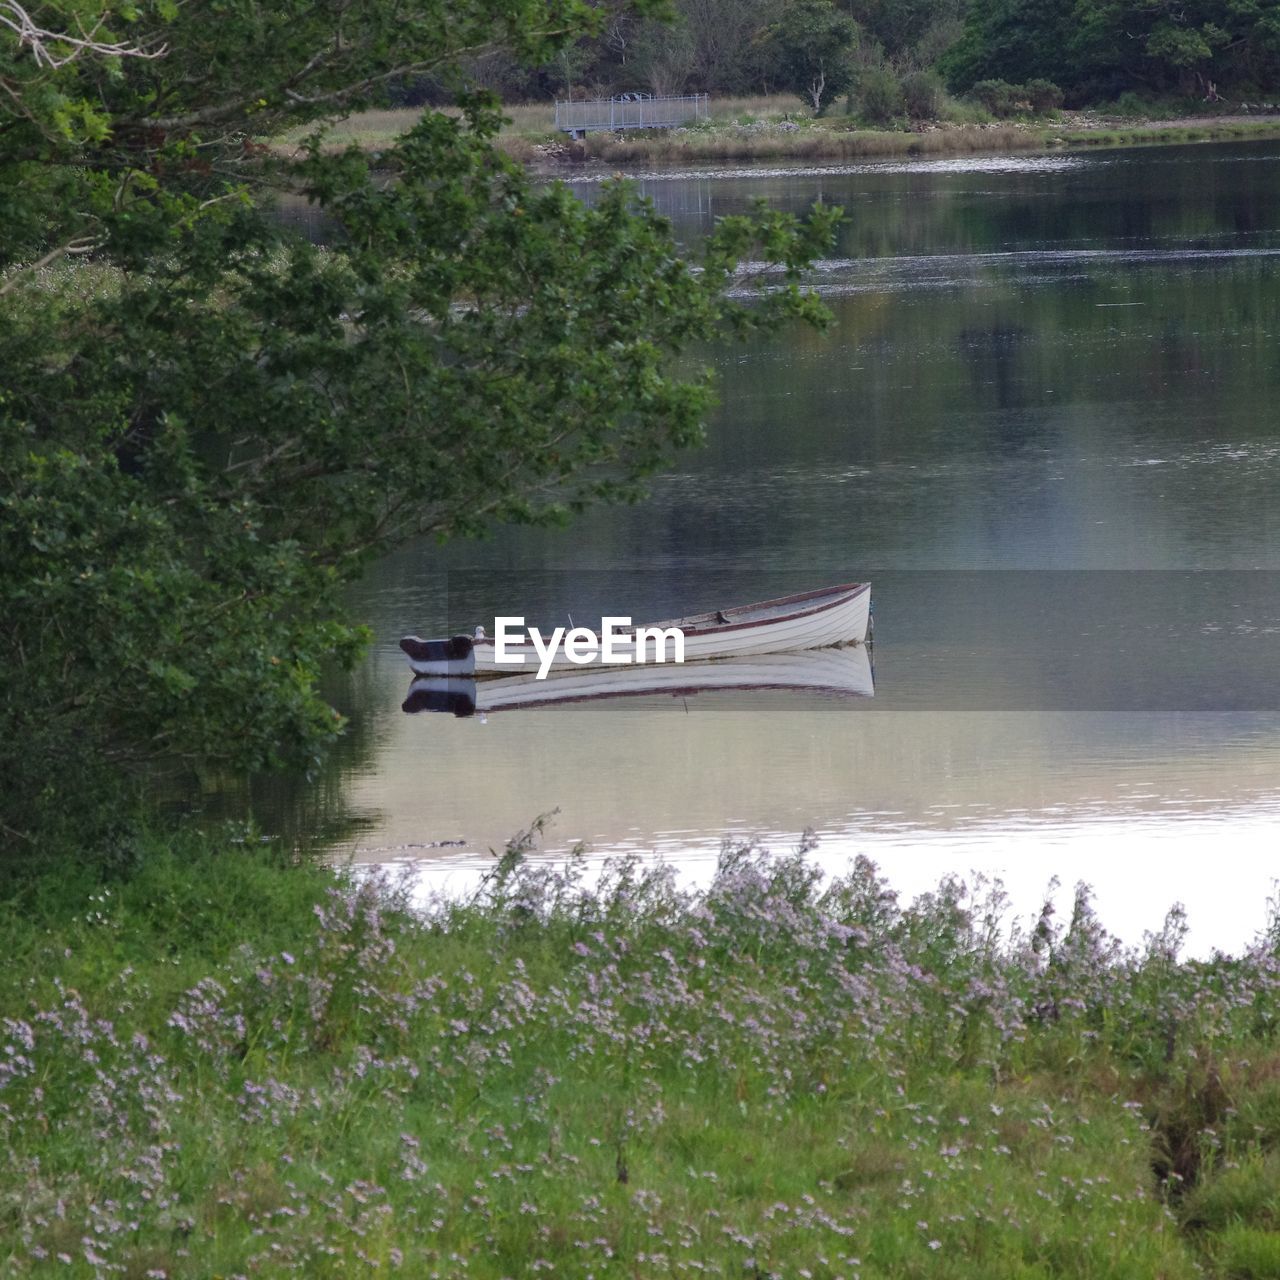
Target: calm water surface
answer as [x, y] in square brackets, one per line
[1046, 424]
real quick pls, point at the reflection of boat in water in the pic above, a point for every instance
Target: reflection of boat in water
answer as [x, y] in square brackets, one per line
[845, 672]
[789, 624]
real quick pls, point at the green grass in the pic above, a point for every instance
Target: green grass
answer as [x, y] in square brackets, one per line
[1248, 1192]
[1245, 1253]
[223, 1062]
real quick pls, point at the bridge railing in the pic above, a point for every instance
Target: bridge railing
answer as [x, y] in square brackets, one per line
[631, 113]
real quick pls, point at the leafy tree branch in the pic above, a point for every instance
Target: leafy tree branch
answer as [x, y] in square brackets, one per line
[208, 425]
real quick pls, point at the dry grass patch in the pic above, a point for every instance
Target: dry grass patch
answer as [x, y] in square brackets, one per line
[831, 142]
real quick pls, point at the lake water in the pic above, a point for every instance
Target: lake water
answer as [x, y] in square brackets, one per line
[1045, 425]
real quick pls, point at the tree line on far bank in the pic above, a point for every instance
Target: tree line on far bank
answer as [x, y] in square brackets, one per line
[896, 57]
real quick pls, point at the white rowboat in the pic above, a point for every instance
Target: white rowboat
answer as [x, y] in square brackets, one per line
[789, 624]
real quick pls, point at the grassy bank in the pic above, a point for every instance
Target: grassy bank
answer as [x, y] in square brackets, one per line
[225, 1065]
[837, 143]
[773, 128]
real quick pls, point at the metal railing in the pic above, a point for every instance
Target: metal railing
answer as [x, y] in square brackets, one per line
[630, 113]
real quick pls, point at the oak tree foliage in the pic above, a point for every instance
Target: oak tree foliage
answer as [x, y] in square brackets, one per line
[1099, 49]
[209, 425]
[812, 43]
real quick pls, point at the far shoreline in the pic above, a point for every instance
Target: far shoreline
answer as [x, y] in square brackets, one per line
[683, 148]
[773, 130]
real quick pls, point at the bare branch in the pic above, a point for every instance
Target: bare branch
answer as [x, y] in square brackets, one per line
[55, 49]
[77, 245]
[333, 99]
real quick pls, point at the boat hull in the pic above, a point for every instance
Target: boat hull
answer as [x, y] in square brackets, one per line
[789, 624]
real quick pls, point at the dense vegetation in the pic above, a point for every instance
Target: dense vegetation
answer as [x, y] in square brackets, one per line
[209, 425]
[1093, 50]
[227, 1066]
[1206, 49]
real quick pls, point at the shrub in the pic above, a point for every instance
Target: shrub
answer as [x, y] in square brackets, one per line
[1130, 104]
[1044, 95]
[922, 95]
[999, 96]
[879, 96]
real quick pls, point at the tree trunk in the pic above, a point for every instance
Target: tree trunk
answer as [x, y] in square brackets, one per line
[817, 85]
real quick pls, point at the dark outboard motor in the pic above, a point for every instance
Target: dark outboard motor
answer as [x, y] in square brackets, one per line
[455, 649]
